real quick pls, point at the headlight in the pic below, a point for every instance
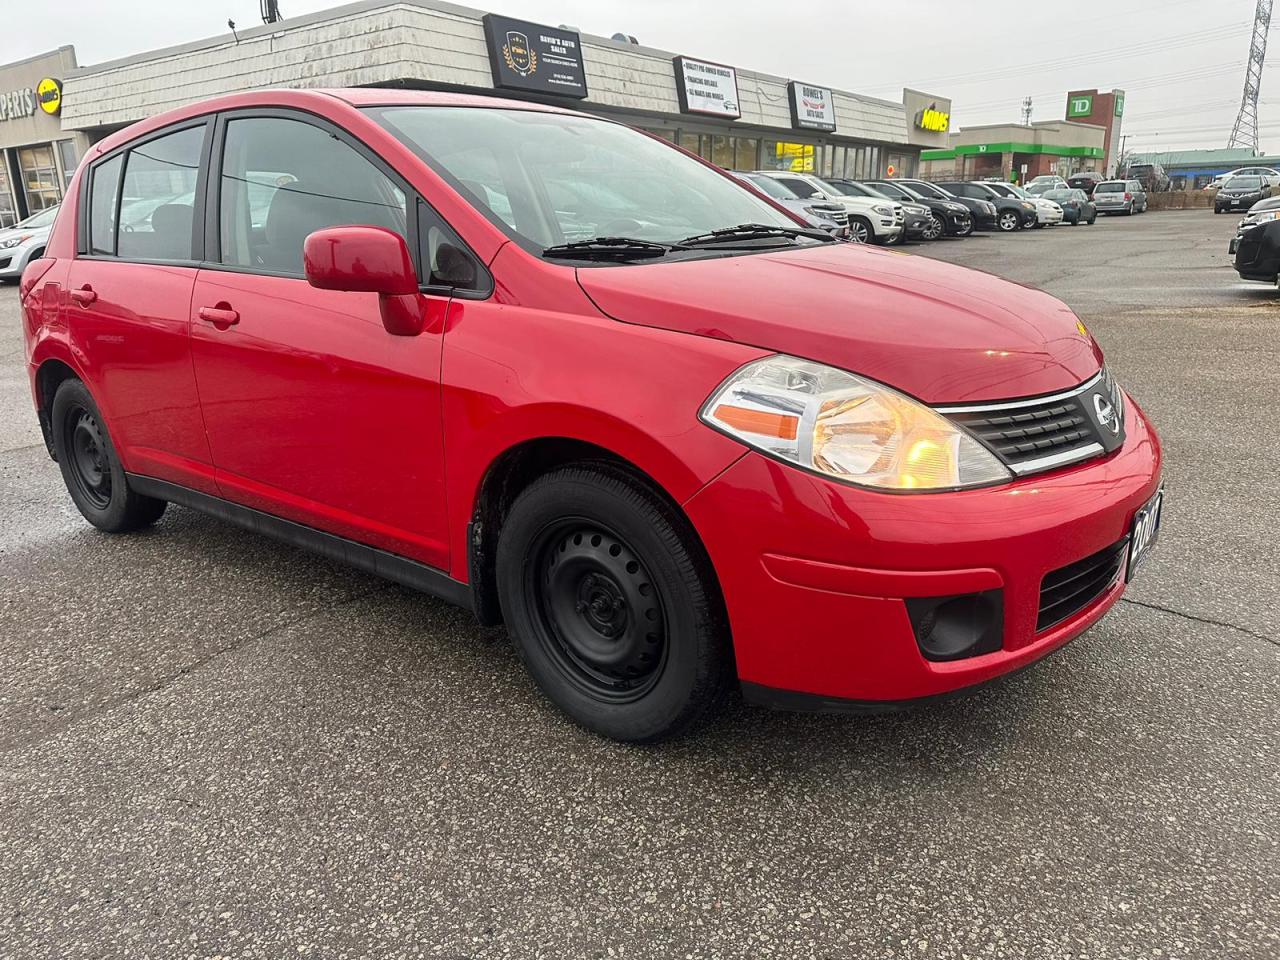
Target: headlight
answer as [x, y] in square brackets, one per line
[14, 241]
[820, 213]
[1264, 217]
[957, 208]
[884, 211]
[1028, 205]
[846, 427]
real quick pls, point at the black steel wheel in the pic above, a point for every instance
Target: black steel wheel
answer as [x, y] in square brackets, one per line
[612, 604]
[91, 470]
[599, 615]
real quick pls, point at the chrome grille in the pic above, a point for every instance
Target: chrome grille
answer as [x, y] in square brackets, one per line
[1045, 432]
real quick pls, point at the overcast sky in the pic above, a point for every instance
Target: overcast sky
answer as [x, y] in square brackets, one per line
[1183, 71]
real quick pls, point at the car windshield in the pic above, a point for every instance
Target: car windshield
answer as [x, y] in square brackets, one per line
[929, 190]
[550, 178]
[1002, 188]
[1114, 186]
[1244, 183]
[770, 188]
[1060, 195]
[897, 191]
[42, 219]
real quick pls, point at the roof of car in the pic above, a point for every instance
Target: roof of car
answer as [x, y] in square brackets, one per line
[318, 98]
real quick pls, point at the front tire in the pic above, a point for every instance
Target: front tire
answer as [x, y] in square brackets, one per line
[612, 605]
[860, 230]
[90, 467]
[935, 229]
[1009, 221]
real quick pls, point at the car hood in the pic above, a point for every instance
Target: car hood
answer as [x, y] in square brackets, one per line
[33, 232]
[943, 333]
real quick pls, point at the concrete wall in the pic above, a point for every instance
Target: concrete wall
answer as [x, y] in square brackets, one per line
[420, 42]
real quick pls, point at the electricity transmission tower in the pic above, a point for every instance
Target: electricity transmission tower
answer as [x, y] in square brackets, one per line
[1026, 112]
[1245, 132]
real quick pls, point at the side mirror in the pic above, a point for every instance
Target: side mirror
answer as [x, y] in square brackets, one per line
[365, 259]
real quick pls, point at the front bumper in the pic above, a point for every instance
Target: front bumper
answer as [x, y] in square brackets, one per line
[1049, 217]
[916, 224]
[1257, 250]
[954, 223]
[815, 574]
[13, 262]
[1236, 203]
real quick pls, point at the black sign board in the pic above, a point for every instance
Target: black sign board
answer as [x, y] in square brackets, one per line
[812, 108]
[529, 56]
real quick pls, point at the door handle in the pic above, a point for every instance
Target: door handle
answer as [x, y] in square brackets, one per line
[84, 296]
[221, 316]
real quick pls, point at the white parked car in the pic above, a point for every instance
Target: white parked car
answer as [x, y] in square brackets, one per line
[870, 220]
[1269, 174]
[23, 242]
[823, 214]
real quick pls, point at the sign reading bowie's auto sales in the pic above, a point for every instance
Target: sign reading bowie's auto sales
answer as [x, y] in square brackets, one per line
[529, 56]
[707, 87]
[811, 107]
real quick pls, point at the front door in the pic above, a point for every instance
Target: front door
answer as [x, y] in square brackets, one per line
[314, 412]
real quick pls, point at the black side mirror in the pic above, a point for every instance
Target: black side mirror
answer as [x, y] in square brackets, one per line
[454, 268]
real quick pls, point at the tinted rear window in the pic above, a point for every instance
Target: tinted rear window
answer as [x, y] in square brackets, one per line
[1115, 186]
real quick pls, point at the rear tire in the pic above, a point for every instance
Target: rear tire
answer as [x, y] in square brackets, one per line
[91, 468]
[612, 605]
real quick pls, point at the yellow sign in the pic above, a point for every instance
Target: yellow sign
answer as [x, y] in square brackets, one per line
[931, 118]
[49, 96]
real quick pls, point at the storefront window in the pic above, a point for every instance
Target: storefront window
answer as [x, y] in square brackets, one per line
[40, 180]
[8, 211]
[67, 154]
[689, 141]
[786, 155]
[722, 152]
[746, 153]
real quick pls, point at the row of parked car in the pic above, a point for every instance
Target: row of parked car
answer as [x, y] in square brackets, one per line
[899, 210]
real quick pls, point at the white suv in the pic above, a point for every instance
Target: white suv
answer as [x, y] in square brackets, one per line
[870, 220]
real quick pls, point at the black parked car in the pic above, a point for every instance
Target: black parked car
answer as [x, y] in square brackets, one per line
[1011, 212]
[1241, 192]
[1076, 206]
[982, 211]
[1264, 211]
[1257, 248]
[952, 215]
[1085, 180]
[917, 222]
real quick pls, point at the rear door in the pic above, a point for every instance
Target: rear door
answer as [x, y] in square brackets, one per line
[129, 300]
[314, 411]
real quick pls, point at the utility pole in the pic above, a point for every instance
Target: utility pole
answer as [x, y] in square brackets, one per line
[1245, 131]
[1026, 112]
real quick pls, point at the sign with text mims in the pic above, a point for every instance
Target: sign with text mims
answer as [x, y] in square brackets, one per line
[530, 56]
[812, 108]
[710, 88]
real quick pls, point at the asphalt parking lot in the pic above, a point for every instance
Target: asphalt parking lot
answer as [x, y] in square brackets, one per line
[215, 745]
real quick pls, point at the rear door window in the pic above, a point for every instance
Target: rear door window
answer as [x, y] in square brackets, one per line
[157, 206]
[104, 190]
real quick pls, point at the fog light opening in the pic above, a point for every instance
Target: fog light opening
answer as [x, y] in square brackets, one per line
[958, 626]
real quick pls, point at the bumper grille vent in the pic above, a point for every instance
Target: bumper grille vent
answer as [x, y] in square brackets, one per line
[1068, 590]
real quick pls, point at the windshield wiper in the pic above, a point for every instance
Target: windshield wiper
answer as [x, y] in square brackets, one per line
[610, 248]
[752, 231]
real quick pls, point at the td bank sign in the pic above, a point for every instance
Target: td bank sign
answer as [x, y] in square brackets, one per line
[1079, 107]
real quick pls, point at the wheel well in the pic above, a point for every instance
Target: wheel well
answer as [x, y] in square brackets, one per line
[510, 474]
[48, 378]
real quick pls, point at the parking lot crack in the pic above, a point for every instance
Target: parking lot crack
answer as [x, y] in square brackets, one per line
[1208, 621]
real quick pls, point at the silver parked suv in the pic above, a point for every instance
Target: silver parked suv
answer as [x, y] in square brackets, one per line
[1120, 196]
[23, 242]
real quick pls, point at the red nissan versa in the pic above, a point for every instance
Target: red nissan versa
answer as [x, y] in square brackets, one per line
[566, 375]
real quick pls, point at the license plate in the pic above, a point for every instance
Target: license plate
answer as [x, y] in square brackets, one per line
[1146, 528]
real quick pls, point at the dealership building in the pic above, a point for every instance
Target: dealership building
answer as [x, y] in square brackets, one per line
[732, 115]
[37, 154]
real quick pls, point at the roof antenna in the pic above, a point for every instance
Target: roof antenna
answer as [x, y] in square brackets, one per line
[232, 25]
[270, 11]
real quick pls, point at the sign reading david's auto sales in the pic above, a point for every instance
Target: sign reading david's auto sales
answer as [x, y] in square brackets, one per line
[530, 56]
[811, 107]
[704, 87]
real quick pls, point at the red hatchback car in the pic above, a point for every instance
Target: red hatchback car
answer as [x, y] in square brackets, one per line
[564, 374]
